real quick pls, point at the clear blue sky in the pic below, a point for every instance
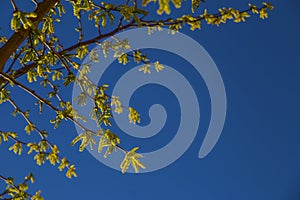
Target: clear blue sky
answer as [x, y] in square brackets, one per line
[257, 156]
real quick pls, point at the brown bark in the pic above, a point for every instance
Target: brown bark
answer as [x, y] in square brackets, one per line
[18, 37]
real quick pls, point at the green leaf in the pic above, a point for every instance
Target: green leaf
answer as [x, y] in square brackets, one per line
[177, 3]
[158, 67]
[53, 158]
[43, 145]
[23, 187]
[94, 56]
[31, 15]
[71, 172]
[31, 76]
[30, 177]
[82, 52]
[123, 59]
[15, 23]
[115, 101]
[69, 79]
[81, 99]
[86, 139]
[132, 158]
[33, 147]
[56, 75]
[4, 95]
[40, 158]
[109, 140]
[17, 148]
[29, 128]
[37, 196]
[145, 68]
[64, 163]
[196, 4]
[61, 9]
[133, 116]
[163, 7]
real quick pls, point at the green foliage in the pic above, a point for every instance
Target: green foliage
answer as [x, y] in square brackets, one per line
[37, 196]
[64, 163]
[40, 158]
[53, 156]
[118, 46]
[196, 4]
[163, 7]
[31, 76]
[19, 191]
[22, 19]
[4, 95]
[36, 50]
[132, 158]
[16, 148]
[30, 178]
[86, 139]
[33, 147]
[115, 102]
[133, 116]
[123, 59]
[109, 140]
[4, 136]
[82, 52]
[81, 99]
[29, 128]
[145, 68]
[71, 172]
[102, 111]
[69, 79]
[57, 75]
[66, 113]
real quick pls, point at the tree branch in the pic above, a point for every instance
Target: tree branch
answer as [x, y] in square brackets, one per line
[18, 37]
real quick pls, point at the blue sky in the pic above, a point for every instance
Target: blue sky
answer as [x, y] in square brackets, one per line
[257, 156]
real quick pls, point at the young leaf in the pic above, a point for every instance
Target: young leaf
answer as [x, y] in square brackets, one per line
[133, 116]
[132, 158]
[29, 128]
[71, 172]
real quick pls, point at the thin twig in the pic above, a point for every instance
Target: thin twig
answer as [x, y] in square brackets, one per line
[14, 5]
